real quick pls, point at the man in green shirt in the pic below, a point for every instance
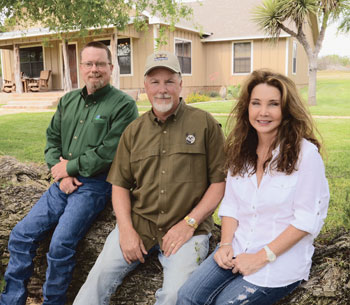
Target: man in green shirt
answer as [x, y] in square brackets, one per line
[81, 142]
[167, 178]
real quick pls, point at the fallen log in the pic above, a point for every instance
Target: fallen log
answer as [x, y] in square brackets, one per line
[22, 184]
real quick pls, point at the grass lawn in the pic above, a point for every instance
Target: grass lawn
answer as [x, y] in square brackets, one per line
[23, 136]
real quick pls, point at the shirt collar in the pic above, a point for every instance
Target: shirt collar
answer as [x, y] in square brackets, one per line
[96, 96]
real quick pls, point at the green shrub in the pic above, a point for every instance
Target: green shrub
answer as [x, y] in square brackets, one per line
[196, 98]
[213, 94]
[233, 91]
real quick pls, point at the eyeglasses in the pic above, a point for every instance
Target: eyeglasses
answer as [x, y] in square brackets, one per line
[98, 65]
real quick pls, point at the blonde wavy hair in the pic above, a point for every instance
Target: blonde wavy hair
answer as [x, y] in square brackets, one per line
[296, 124]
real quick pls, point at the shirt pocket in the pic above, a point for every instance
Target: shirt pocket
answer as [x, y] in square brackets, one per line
[144, 165]
[188, 163]
[97, 131]
[283, 188]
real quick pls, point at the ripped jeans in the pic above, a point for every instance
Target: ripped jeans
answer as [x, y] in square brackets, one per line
[210, 284]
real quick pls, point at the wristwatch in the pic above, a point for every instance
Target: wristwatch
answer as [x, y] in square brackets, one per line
[191, 222]
[271, 257]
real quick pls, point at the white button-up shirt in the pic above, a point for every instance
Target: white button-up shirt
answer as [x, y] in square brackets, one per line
[300, 199]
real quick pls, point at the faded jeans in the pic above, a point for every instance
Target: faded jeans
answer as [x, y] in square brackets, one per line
[211, 284]
[71, 216]
[111, 268]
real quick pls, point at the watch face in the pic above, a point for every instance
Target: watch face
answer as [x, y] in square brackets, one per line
[191, 221]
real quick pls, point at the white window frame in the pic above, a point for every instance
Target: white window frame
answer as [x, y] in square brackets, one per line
[184, 40]
[131, 56]
[294, 56]
[233, 57]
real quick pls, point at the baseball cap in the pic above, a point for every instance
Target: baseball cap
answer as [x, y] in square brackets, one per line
[162, 59]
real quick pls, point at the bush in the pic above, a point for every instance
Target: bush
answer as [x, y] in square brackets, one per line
[196, 98]
[233, 91]
[213, 94]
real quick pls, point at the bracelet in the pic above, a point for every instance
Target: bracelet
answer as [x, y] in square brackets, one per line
[224, 244]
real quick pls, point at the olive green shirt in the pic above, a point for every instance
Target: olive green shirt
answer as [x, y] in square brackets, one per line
[86, 129]
[168, 167]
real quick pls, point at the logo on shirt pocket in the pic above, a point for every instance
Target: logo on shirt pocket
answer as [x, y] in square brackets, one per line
[190, 138]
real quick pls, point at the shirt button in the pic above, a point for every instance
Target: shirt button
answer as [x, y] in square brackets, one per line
[70, 154]
[253, 207]
[163, 151]
[164, 131]
[86, 105]
[162, 212]
[174, 120]
[81, 121]
[319, 201]
[163, 172]
[75, 137]
[162, 191]
[160, 229]
[153, 238]
[94, 102]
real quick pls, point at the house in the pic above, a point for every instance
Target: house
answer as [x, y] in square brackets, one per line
[222, 52]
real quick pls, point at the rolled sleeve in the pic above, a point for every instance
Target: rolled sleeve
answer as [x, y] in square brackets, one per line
[312, 194]
[229, 204]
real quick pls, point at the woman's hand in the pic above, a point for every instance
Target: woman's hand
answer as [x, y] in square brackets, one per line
[224, 257]
[247, 264]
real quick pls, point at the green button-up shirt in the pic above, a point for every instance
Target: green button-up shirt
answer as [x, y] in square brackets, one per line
[168, 168]
[86, 129]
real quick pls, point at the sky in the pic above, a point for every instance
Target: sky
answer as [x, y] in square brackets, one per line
[334, 43]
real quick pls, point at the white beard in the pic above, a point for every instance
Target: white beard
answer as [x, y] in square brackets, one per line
[163, 107]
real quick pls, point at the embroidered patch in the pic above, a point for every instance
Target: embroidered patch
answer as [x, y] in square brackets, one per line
[159, 57]
[190, 138]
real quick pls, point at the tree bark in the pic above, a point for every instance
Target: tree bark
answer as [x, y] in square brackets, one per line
[17, 68]
[67, 82]
[116, 69]
[21, 185]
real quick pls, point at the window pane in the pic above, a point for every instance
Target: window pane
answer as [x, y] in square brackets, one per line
[242, 59]
[124, 55]
[31, 61]
[183, 52]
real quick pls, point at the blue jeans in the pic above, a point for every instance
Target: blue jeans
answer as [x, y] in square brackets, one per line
[111, 268]
[72, 215]
[210, 284]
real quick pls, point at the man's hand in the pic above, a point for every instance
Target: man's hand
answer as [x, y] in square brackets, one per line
[59, 170]
[247, 264]
[69, 184]
[132, 246]
[176, 237]
[224, 257]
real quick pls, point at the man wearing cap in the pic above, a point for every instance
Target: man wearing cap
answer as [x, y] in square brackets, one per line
[167, 180]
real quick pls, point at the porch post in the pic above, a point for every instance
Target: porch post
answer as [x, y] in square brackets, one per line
[114, 51]
[17, 72]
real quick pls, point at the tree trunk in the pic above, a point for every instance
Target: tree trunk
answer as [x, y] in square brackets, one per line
[17, 68]
[116, 69]
[21, 185]
[312, 81]
[67, 82]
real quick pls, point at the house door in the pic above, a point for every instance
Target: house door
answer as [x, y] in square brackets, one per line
[72, 58]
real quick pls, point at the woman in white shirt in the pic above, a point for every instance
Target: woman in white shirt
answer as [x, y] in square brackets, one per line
[275, 201]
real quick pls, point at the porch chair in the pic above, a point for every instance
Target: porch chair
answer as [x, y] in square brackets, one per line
[41, 83]
[9, 85]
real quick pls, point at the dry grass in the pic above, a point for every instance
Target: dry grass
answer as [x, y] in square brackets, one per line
[331, 74]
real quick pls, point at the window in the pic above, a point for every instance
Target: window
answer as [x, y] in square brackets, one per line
[294, 62]
[242, 57]
[31, 61]
[183, 53]
[124, 54]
